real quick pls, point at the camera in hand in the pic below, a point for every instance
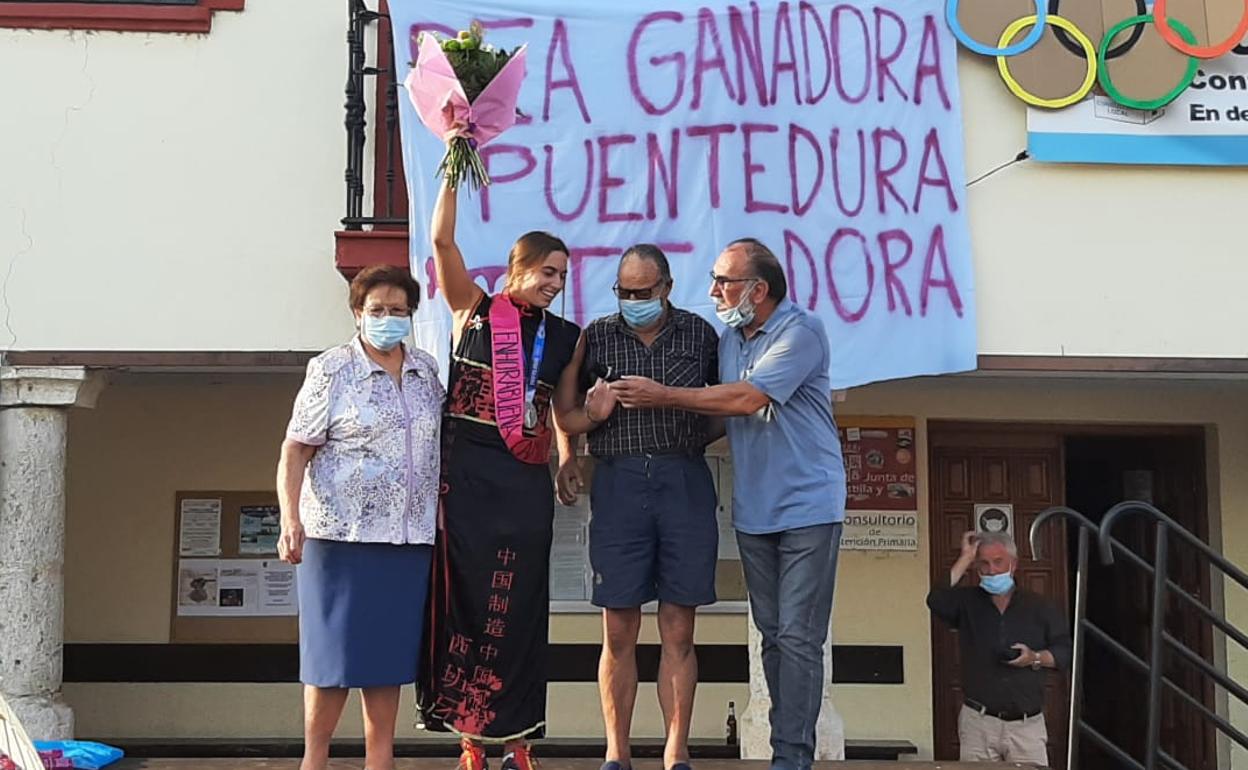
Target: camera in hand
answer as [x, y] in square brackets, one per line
[1008, 655]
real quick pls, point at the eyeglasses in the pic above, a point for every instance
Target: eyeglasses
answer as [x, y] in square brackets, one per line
[646, 293]
[379, 311]
[722, 280]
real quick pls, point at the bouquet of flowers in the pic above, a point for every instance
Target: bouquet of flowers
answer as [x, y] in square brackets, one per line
[464, 91]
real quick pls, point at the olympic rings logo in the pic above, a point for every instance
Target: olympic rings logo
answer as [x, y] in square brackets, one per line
[1048, 16]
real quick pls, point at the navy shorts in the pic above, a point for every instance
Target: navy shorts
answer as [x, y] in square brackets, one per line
[652, 531]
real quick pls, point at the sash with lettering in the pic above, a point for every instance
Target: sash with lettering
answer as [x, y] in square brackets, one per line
[507, 347]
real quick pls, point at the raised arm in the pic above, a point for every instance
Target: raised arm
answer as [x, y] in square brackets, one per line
[457, 286]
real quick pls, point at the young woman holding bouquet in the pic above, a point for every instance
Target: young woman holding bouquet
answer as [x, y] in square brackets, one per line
[513, 363]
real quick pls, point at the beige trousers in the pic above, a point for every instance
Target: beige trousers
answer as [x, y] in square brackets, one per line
[985, 738]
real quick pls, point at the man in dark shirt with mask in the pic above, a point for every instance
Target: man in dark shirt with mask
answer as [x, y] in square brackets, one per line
[1009, 640]
[652, 532]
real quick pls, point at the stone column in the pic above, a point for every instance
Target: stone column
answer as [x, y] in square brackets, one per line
[755, 727]
[34, 404]
[830, 729]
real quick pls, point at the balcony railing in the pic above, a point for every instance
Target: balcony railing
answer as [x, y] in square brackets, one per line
[386, 207]
[374, 226]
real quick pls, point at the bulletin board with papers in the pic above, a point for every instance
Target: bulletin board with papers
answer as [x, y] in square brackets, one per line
[228, 584]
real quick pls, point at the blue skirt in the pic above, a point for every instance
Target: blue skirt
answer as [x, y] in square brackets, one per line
[361, 613]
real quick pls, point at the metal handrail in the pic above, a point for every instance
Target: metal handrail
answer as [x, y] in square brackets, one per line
[1109, 747]
[1194, 602]
[1152, 739]
[1075, 717]
[1140, 665]
[1137, 506]
[1160, 639]
[1188, 654]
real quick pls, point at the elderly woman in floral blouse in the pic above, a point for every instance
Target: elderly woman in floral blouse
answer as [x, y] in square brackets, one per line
[358, 487]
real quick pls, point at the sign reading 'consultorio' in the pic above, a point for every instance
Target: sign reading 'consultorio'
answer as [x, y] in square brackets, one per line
[881, 508]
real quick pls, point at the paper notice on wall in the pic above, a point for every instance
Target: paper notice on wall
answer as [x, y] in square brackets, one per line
[721, 470]
[727, 534]
[278, 593]
[569, 553]
[198, 582]
[199, 531]
[258, 529]
[239, 589]
[236, 588]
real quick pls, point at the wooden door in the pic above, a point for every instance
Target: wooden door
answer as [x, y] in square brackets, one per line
[970, 465]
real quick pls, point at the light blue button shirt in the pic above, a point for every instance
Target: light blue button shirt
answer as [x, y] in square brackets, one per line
[786, 458]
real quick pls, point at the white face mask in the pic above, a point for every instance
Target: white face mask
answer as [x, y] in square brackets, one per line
[743, 313]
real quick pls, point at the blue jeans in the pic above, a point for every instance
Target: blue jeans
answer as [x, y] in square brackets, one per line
[790, 577]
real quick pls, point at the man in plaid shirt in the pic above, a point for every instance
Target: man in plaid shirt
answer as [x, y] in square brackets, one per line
[653, 532]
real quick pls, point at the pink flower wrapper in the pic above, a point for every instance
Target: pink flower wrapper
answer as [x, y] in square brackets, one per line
[443, 107]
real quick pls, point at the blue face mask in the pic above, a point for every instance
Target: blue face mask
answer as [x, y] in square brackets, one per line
[386, 332]
[640, 313]
[742, 314]
[997, 585]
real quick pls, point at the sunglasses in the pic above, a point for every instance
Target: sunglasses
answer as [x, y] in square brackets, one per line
[646, 293]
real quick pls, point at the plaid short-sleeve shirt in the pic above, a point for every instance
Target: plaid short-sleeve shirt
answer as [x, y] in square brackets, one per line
[685, 355]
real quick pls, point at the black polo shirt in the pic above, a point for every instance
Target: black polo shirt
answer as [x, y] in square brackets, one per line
[685, 354]
[984, 636]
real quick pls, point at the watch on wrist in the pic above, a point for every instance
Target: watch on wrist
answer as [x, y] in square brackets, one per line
[1038, 663]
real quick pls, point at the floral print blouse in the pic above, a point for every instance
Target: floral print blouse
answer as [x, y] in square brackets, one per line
[374, 477]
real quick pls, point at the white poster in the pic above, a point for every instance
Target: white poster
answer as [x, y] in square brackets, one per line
[278, 593]
[199, 532]
[1207, 125]
[236, 588]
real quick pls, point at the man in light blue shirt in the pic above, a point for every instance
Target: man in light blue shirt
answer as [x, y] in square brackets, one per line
[788, 478]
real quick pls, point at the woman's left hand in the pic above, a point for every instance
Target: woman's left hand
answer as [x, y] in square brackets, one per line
[600, 402]
[290, 542]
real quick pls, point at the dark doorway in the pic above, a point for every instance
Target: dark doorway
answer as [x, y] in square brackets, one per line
[978, 463]
[1169, 472]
